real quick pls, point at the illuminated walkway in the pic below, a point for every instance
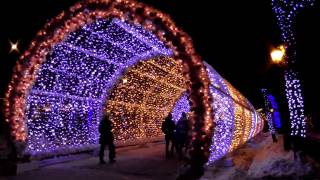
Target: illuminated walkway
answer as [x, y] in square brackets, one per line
[137, 162]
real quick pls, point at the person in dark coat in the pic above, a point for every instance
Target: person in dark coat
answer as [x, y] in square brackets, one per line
[106, 138]
[181, 134]
[168, 127]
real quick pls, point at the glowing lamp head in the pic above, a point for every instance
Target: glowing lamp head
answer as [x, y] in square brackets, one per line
[278, 54]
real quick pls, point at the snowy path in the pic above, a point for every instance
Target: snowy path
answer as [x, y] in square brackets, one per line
[133, 163]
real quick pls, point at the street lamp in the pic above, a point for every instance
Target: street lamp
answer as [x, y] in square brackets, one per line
[277, 55]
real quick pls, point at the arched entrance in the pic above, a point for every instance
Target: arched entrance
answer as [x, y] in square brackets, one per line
[48, 82]
[96, 56]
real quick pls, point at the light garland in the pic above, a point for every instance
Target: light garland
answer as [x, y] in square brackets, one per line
[245, 116]
[80, 15]
[74, 80]
[143, 98]
[296, 106]
[224, 116]
[60, 85]
[286, 12]
[269, 114]
[235, 119]
[182, 105]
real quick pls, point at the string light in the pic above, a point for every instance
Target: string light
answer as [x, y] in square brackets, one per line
[64, 105]
[138, 107]
[236, 121]
[286, 12]
[269, 114]
[182, 105]
[61, 83]
[54, 34]
[296, 106]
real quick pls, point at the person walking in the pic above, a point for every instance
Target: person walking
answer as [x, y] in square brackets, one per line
[168, 127]
[106, 138]
[181, 135]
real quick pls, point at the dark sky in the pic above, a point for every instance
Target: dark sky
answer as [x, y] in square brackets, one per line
[233, 36]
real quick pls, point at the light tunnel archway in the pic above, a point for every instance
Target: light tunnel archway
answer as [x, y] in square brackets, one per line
[48, 83]
[138, 18]
[65, 104]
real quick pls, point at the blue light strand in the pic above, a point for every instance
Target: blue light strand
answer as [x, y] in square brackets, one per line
[276, 113]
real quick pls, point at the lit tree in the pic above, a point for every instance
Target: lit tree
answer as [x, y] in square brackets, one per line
[269, 114]
[286, 12]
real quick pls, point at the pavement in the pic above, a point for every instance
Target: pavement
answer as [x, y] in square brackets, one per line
[141, 162]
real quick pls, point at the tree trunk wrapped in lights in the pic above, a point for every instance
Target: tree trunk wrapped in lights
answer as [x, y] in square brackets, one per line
[286, 12]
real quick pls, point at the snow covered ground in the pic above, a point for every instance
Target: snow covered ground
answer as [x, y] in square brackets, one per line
[262, 159]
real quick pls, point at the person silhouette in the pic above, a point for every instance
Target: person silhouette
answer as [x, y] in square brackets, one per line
[168, 127]
[181, 135]
[106, 138]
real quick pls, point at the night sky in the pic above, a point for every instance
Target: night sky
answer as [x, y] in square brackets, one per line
[234, 37]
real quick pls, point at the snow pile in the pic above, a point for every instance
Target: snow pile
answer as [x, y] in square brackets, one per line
[262, 159]
[272, 161]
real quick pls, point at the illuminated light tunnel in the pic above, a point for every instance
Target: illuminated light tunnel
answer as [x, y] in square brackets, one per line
[131, 60]
[236, 120]
[65, 103]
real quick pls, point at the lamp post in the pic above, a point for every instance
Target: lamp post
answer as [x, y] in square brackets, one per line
[281, 57]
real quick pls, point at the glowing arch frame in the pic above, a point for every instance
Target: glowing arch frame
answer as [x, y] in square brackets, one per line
[85, 12]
